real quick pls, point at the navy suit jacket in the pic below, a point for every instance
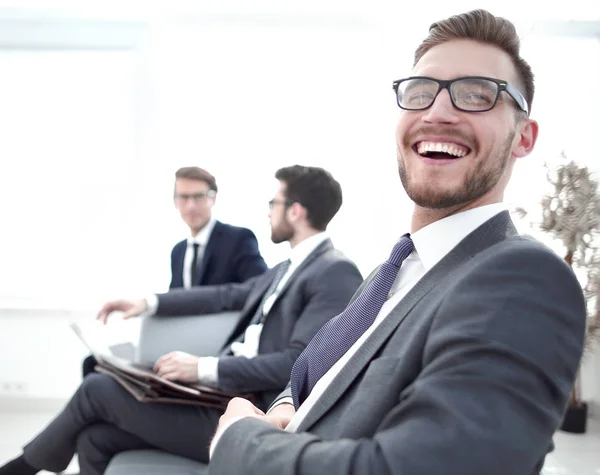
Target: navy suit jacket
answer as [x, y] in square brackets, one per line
[231, 256]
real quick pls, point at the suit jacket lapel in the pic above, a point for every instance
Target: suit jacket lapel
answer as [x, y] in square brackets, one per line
[179, 261]
[320, 249]
[210, 250]
[256, 297]
[252, 304]
[491, 232]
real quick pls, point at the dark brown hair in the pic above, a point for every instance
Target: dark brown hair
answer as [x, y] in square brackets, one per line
[315, 189]
[482, 26]
[197, 173]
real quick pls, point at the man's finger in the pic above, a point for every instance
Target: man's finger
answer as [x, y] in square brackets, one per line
[172, 376]
[238, 402]
[279, 422]
[161, 361]
[162, 369]
[166, 357]
[104, 312]
[130, 313]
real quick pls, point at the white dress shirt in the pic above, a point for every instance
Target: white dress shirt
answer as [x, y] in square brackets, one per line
[201, 239]
[432, 243]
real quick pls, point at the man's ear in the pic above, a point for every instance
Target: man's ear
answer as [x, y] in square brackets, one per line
[296, 211]
[528, 133]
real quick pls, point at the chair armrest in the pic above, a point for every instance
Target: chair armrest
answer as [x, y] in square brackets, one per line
[200, 335]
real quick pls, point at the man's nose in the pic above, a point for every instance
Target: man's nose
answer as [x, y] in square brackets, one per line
[442, 110]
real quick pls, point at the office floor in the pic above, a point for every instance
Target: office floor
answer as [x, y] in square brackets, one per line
[574, 454]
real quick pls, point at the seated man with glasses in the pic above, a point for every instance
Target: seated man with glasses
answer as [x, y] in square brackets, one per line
[458, 355]
[214, 253]
[280, 311]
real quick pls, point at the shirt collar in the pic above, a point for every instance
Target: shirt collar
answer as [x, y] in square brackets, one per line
[204, 235]
[437, 239]
[303, 249]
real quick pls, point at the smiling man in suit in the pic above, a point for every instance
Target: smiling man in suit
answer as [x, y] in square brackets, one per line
[459, 353]
[215, 253]
[280, 311]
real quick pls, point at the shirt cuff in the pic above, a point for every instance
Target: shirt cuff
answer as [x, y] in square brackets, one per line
[220, 433]
[208, 371]
[283, 400]
[151, 305]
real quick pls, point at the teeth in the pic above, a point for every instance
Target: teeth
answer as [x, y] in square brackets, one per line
[451, 149]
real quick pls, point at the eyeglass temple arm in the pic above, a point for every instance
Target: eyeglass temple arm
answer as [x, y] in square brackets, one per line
[518, 97]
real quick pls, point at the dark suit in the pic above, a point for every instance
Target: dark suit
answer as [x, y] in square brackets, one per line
[102, 419]
[231, 255]
[470, 374]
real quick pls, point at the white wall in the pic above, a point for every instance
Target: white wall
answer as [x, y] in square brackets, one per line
[99, 118]
[40, 355]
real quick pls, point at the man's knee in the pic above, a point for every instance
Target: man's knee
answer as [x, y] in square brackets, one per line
[98, 387]
[91, 439]
[94, 449]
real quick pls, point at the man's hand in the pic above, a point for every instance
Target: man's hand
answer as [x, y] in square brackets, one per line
[239, 408]
[178, 366]
[130, 308]
[281, 415]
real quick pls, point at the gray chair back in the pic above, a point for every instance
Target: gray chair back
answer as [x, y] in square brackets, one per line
[200, 335]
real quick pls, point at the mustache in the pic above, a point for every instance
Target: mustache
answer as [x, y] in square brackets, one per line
[447, 131]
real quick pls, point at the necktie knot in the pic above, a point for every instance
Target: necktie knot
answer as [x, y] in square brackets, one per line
[401, 250]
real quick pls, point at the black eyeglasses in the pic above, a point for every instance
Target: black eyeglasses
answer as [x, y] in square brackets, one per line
[469, 94]
[285, 203]
[196, 197]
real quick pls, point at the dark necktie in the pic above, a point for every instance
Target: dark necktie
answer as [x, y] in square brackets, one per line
[340, 333]
[194, 267]
[259, 317]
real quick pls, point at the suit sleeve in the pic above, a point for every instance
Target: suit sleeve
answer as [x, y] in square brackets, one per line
[205, 299]
[248, 262]
[498, 367]
[326, 296]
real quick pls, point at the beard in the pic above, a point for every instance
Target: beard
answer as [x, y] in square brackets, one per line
[484, 176]
[282, 232]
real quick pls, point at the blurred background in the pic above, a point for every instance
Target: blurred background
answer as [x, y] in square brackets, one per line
[100, 103]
